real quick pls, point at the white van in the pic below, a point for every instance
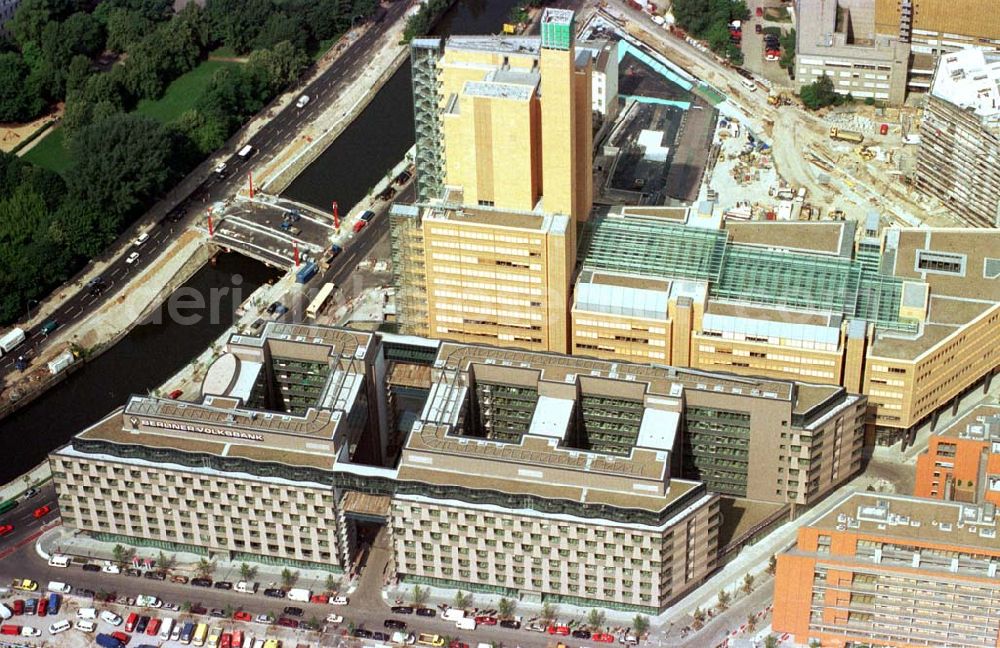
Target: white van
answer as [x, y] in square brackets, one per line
[85, 625]
[59, 561]
[468, 623]
[86, 613]
[59, 626]
[453, 614]
[165, 628]
[111, 618]
[5, 612]
[59, 588]
[339, 600]
[298, 594]
[245, 152]
[303, 100]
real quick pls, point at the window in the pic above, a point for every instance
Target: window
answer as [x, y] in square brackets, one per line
[940, 262]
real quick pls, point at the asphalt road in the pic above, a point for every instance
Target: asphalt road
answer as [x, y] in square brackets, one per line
[25, 523]
[267, 142]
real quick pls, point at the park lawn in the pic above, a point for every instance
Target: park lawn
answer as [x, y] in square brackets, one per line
[182, 93]
[49, 152]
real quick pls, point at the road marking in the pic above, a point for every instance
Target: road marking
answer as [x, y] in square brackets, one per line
[115, 273]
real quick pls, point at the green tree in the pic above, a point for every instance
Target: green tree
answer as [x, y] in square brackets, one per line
[787, 40]
[506, 608]
[282, 27]
[332, 583]
[247, 571]
[279, 66]
[595, 618]
[771, 641]
[18, 101]
[819, 94]
[751, 622]
[640, 624]
[122, 554]
[549, 612]
[420, 595]
[724, 597]
[772, 564]
[165, 562]
[32, 16]
[747, 583]
[205, 568]
[697, 618]
[288, 577]
[463, 600]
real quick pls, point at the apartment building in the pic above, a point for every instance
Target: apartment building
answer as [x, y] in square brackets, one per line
[892, 570]
[912, 320]
[962, 462]
[839, 39]
[604, 85]
[530, 474]
[504, 138]
[960, 136]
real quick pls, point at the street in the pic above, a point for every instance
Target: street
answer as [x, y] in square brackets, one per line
[272, 137]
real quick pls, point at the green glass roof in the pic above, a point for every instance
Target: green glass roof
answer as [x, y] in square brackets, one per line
[853, 288]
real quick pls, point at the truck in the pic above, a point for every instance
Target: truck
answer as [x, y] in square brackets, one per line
[299, 594]
[468, 623]
[11, 339]
[305, 273]
[846, 135]
[107, 641]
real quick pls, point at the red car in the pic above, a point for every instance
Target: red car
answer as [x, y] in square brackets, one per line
[131, 621]
[226, 640]
[759, 12]
[285, 622]
[559, 630]
[176, 394]
[458, 644]
[43, 605]
[17, 606]
[602, 637]
[319, 598]
[486, 620]
[42, 511]
[154, 627]
[237, 641]
[5, 529]
[360, 225]
[121, 636]
[240, 615]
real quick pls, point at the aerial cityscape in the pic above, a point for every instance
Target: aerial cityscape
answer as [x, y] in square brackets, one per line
[499, 323]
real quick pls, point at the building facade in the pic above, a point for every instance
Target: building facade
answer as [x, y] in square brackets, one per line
[940, 26]
[912, 320]
[962, 463]
[960, 137]
[889, 570]
[531, 474]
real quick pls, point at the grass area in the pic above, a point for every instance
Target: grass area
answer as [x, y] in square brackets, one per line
[183, 93]
[49, 152]
[223, 52]
[773, 30]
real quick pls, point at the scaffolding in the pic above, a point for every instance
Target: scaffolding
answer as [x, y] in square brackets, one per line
[408, 272]
[854, 288]
[429, 159]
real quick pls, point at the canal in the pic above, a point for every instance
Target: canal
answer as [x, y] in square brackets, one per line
[151, 353]
[383, 132]
[140, 362]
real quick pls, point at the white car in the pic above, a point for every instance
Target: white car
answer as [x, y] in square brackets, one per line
[220, 168]
[303, 100]
[60, 627]
[334, 618]
[339, 600]
[132, 258]
[84, 625]
[28, 631]
[145, 600]
[111, 618]
[111, 568]
[142, 238]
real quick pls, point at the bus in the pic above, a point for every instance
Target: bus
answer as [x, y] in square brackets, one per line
[322, 297]
[8, 505]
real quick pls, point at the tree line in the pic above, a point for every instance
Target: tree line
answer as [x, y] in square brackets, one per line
[102, 63]
[709, 20]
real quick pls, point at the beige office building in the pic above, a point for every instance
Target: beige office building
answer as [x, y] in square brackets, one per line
[504, 140]
[912, 320]
[534, 475]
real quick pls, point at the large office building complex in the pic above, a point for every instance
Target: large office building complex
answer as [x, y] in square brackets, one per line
[504, 142]
[959, 158]
[940, 26]
[911, 319]
[530, 474]
[890, 570]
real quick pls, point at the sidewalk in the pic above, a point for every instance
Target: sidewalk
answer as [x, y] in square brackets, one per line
[69, 542]
[16, 487]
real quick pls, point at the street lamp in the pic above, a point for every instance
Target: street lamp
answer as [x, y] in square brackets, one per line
[30, 301]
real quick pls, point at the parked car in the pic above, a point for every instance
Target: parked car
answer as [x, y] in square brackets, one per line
[179, 579]
[91, 567]
[602, 637]
[581, 634]
[241, 615]
[264, 618]
[486, 620]
[285, 622]
[510, 623]
[274, 592]
[218, 613]
[426, 612]
[558, 630]
[24, 584]
[155, 575]
[223, 585]
[394, 624]
[111, 568]
[201, 582]
[5, 529]
[293, 611]
[402, 609]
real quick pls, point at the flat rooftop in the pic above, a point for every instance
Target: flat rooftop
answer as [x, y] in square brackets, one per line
[915, 521]
[530, 45]
[981, 424]
[834, 238]
[818, 34]
[496, 217]
[970, 79]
